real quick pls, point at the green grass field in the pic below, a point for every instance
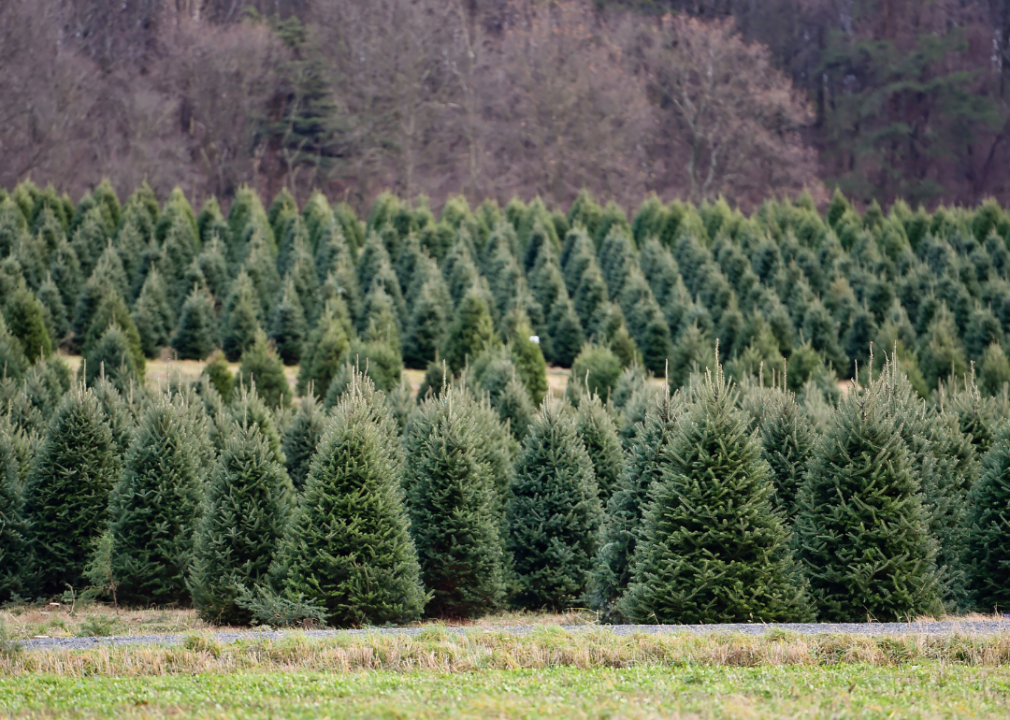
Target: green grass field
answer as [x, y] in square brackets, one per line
[546, 674]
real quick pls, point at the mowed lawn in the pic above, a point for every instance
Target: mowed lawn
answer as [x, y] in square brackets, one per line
[929, 690]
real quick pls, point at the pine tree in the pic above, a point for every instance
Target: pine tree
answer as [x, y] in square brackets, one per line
[515, 408]
[989, 529]
[219, 374]
[26, 320]
[553, 514]
[12, 356]
[260, 365]
[111, 358]
[692, 353]
[301, 438]
[287, 326]
[241, 319]
[861, 530]
[595, 370]
[454, 511]
[599, 435]
[648, 456]
[994, 372]
[245, 515]
[154, 506]
[153, 315]
[348, 548]
[67, 492]
[327, 346]
[428, 324]
[787, 440]
[711, 549]
[941, 353]
[13, 529]
[196, 336]
[54, 309]
[565, 333]
[471, 331]
[112, 310]
[527, 357]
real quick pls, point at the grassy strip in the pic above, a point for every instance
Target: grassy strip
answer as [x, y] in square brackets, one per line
[438, 650]
[930, 690]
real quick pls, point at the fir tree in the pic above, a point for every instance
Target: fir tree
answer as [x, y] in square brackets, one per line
[527, 357]
[989, 529]
[565, 333]
[428, 323]
[55, 311]
[112, 310]
[13, 529]
[599, 435]
[244, 518]
[514, 407]
[219, 374]
[861, 530]
[994, 372]
[711, 549]
[553, 514]
[287, 326]
[941, 353]
[327, 346]
[348, 548]
[111, 358]
[692, 353]
[241, 321]
[26, 320]
[301, 438]
[196, 336]
[260, 365]
[12, 356]
[67, 492]
[152, 315]
[471, 331]
[154, 507]
[454, 511]
[787, 440]
[595, 370]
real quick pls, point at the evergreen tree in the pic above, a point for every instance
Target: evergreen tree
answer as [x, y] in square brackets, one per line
[941, 353]
[471, 331]
[13, 529]
[692, 353]
[426, 330]
[994, 372]
[244, 518]
[527, 357]
[711, 549]
[595, 370]
[861, 530]
[111, 358]
[54, 309]
[348, 548]
[553, 513]
[599, 435]
[787, 440]
[241, 323]
[514, 407]
[287, 326]
[301, 438]
[260, 365]
[152, 315]
[989, 529]
[154, 506]
[12, 356]
[67, 492]
[219, 374]
[196, 336]
[112, 310]
[26, 320]
[327, 346]
[454, 510]
[565, 333]
[648, 456]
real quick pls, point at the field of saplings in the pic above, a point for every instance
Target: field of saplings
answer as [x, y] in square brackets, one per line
[790, 416]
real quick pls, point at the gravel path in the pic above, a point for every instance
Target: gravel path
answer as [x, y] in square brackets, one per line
[932, 628]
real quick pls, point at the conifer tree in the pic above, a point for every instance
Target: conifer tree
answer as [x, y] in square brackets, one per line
[287, 325]
[693, 352]
[54, 309]
[647, 457]
[111, 358]
[454, 510]
[13, 529]
[989, 529]
[327, 346]
[565, 333]
[219, 374]
[595, 370]
[241, 319]
[471, 331]
[599, 435]
[348, 548]
[152, 315]
[26, 320]
[244, 517]
[941, 353]
[301, 438]
[112, 310]
[12, 356]
[527, 356]
[553, 514]
[426, 330]
[787, 440]
[994, 371]
[711, 549]
[196, 336]
[861, 530]
[261, 366]
[67, 492]
[154, 506]
[515, 408]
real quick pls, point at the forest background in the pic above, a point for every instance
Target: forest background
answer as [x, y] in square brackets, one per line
[494, 98]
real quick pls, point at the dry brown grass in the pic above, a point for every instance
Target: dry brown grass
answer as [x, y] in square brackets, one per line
[440, 650]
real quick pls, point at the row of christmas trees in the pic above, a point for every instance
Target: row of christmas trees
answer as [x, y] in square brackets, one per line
[782, 287]
[714, 503]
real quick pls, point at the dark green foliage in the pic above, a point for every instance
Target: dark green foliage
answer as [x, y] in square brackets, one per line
[261, 366]
[287, 326]
[196, 336]
[554, 513]
[26, 320]
[994, 371]
[245, 515]
[13, 528]
[647, 458]
[241, 319]
[152, 315]
[301, 438]
[426, 330]
[12, 356]
[861, 530]
[471, 331]
[348, 547]
[595, 370]
[941, 353]
[693, 352]
[598, 431]
[327, 347]
[67, 492]
[219, 374]
[112, 310]
[111, 357]
[564, 329]
[515, 408]
[454, 510]
[988, 546]
[787, 440]
[528, 358]
[54, 310]
[154, 506]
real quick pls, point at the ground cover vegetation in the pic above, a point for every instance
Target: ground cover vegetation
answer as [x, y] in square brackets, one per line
[785, 415]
